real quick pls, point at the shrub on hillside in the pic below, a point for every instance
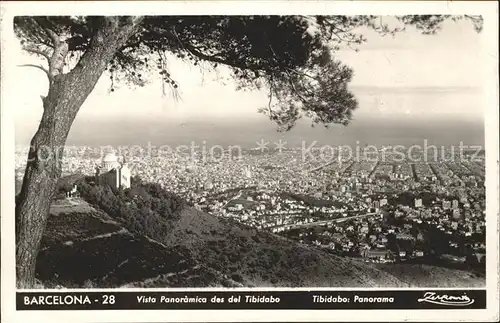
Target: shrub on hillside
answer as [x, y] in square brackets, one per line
[143, 207]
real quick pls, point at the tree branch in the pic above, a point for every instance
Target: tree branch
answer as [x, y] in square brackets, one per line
[290, 80]
[302, 74]
[52, 35]
[270, 97]
[57, 58]
[212, 58]
[39, 67]
[38, 52]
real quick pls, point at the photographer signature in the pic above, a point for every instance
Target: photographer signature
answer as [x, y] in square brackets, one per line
[431, 297]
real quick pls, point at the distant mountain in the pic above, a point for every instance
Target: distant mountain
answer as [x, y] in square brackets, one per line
[85, 247]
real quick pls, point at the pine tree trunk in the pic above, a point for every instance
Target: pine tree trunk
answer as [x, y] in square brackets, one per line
[43, 170]
[67, 92]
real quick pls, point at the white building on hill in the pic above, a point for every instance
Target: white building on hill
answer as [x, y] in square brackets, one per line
[112, 172]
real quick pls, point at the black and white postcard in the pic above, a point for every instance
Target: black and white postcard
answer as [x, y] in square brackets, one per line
[249, 161]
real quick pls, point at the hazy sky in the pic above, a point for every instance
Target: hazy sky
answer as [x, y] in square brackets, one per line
[449, 60]
[410, 76]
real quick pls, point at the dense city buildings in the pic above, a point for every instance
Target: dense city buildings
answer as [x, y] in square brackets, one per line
[379, 208]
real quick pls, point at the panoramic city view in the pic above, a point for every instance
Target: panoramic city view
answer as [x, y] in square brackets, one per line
[379, 208]
[249, 173]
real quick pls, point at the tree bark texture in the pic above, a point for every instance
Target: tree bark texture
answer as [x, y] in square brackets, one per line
[67, 93]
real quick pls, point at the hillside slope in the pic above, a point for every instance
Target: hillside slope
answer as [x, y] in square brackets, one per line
[85, 247]
[422, 275]
[257, 258]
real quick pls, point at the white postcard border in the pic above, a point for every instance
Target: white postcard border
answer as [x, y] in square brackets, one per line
[489, 11]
